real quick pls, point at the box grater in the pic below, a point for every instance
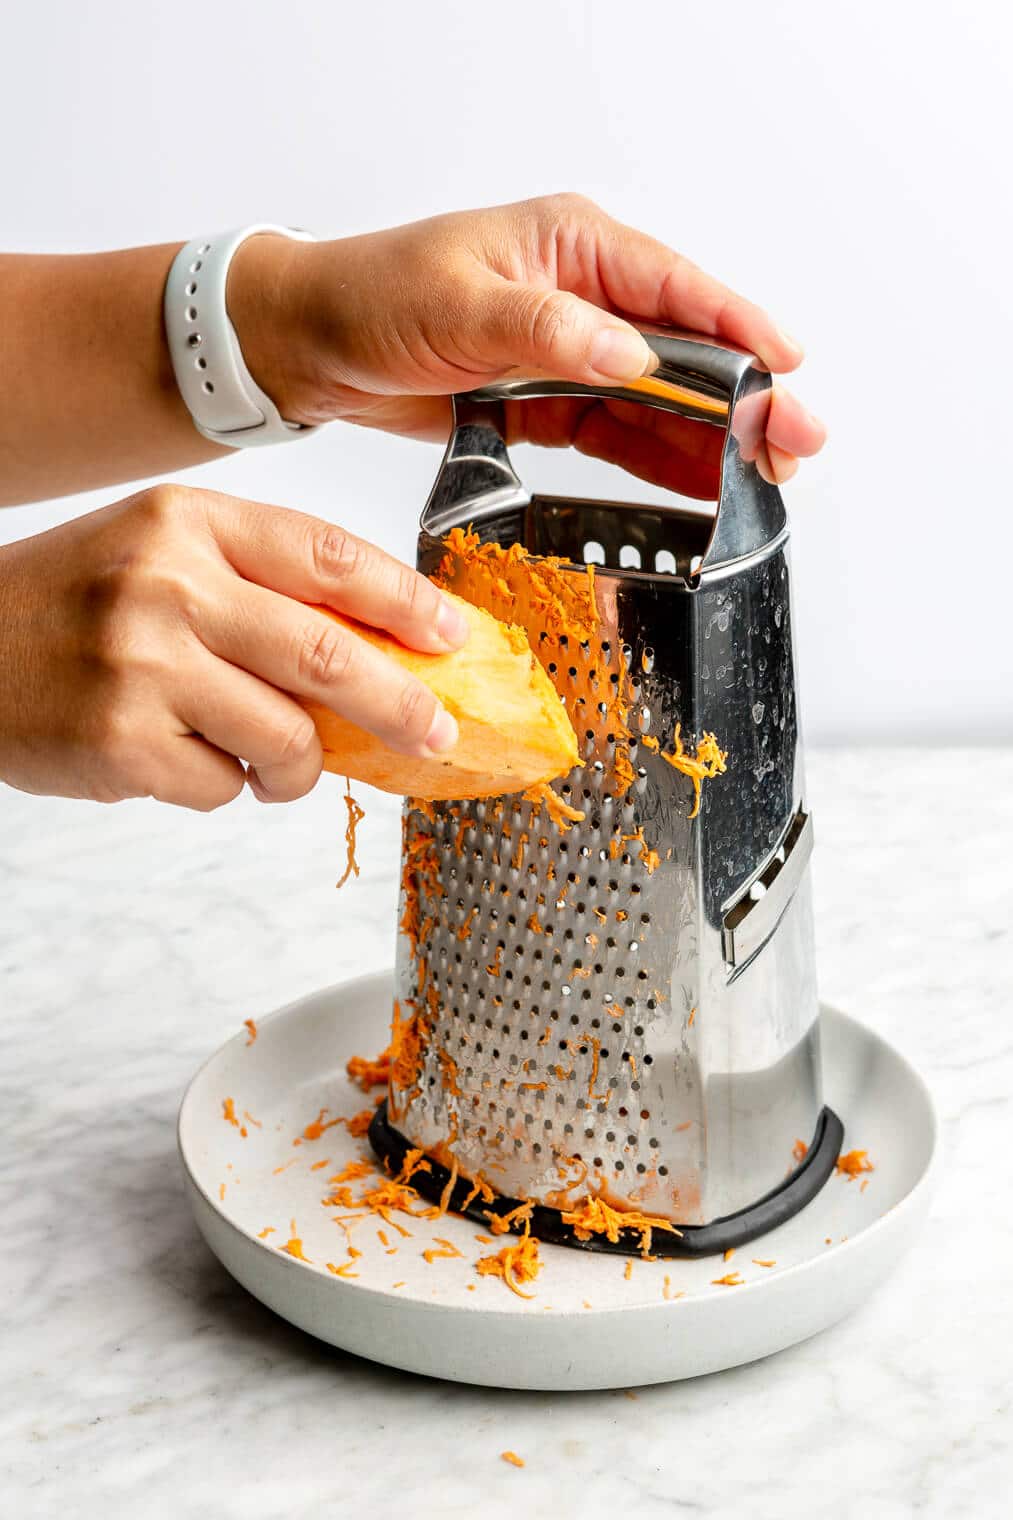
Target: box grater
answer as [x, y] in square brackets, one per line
[624, 1007]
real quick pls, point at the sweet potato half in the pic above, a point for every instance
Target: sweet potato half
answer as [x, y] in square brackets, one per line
[514, 731]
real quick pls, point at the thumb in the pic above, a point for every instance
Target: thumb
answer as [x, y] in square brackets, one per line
[557, 333]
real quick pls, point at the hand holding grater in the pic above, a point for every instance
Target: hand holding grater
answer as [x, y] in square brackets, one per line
[612, 1017]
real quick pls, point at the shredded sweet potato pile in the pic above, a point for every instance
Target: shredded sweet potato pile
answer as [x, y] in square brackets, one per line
[565, 603]
[593, 1216]
[367, 1073]
[853, 1163]
[359, 1123]
[516, 1263]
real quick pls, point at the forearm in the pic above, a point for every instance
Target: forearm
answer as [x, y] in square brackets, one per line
[87, 393]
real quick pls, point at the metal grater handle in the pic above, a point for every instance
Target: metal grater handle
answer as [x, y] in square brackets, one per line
[709, 383]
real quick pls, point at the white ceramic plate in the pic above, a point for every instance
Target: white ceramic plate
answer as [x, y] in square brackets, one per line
[587, 1326]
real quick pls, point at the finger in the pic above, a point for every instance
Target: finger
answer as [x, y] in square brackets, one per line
[653, 445]
[790, 427]
[600, 258]
[245, 717]
[782, 465]
[554, 332]
[301, 650]
[197, 775]
[315, 561]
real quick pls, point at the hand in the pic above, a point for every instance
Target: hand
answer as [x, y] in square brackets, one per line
[149, 648]
[381, 329]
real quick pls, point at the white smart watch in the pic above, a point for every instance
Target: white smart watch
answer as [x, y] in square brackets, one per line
[225, 402]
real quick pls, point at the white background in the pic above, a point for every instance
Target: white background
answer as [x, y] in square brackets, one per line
[846, 166]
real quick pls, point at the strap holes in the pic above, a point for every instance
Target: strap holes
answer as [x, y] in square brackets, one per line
[201, 363]
[208, 388]
[191, 314]
[191, 289]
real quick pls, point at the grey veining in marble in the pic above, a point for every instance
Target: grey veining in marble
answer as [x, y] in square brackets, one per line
[138, 1380]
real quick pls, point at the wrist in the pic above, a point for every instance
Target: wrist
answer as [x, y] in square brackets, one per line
[270, 305]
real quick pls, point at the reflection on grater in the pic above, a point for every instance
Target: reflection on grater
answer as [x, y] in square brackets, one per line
[622, 1005]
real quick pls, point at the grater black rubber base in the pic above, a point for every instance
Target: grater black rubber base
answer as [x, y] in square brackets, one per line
[693, 1240]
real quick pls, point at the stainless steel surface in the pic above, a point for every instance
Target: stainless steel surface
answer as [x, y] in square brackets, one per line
[757, 909]
[696, 379]
[597, 1019]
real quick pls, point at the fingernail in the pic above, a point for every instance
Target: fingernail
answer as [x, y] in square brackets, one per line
[443, 733]
[451, 624]
[790, 342]
[619, 353]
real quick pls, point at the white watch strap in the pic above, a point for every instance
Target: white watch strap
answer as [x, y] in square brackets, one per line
[225, 402]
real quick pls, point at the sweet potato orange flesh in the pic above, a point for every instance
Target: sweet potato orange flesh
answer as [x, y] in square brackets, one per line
[514, 731]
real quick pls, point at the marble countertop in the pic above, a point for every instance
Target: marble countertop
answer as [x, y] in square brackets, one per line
[139, 1380]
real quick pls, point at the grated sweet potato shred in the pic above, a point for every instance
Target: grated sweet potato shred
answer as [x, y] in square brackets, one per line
[355, 816]
[708, 762]
[293, 1247]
